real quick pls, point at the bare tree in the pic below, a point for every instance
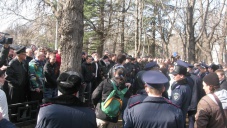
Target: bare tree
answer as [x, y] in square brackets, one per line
[70, 16]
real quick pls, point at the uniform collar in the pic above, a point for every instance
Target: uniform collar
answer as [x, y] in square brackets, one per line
[154, 99]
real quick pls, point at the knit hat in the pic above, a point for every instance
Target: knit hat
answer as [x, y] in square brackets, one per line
[211, 79]
[69, 82]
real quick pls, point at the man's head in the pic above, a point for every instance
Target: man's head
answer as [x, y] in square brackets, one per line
[213, 68]
[211, 83]
[89, 59]
[40, 56]
[154, 82]
[221, 74]
[105, 58]
[11, 52]
[52, 58]
[121, 58]
[21, 53]
[29, 52]
[69, 82]
[203, 67]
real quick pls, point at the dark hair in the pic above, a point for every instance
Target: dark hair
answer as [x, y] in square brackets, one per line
[120, 58]
[88, 56]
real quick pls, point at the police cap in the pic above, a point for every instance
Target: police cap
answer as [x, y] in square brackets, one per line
[150, 65]
[154, 78]
[203, 65]
[21, 50]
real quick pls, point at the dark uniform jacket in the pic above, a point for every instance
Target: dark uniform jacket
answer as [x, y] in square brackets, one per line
[65, 111]
[153, 112]
[181, 95]
[17, 78]
[51, 73]
[100, 94]
[197, 92]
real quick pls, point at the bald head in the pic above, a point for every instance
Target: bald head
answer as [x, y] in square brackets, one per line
[29, 52]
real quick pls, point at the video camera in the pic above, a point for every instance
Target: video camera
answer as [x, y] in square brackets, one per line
[4, 39]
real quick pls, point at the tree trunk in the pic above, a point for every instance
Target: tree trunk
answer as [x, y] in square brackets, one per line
[137, 28]
[191, 47]
[71, 33]
[153, 32]
[123, 27]
[101, 29]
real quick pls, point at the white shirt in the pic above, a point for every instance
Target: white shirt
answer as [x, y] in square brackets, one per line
[3, 105]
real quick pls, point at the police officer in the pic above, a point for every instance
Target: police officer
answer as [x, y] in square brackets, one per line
[195, 84]
[203, 70]
[181, 91]
[138, 87]
[140, 114]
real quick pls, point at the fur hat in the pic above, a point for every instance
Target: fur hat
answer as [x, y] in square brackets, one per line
[69, 82]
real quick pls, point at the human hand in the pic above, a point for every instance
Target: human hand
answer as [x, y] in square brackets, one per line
[1, 116]
[128, 85]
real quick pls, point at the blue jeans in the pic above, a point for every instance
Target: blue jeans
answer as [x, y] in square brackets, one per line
[50, 93]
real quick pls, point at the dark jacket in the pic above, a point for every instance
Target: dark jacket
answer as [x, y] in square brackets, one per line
[197, 92]
[153, 112]
[88, 72]
[17, 78]
[103, 69]
[3, 56]
[51, 73]
[65, 111]
[100, 94]
[223, 84]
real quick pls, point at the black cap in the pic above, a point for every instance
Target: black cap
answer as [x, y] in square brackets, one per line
[150, 65]
[214, 67]
[154, 78]
[69, 82]
[21, 50]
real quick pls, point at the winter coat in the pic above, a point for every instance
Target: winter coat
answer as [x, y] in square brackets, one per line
[65, 111]
[208, 112]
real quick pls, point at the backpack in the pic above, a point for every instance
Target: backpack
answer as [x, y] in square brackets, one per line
[113, 103]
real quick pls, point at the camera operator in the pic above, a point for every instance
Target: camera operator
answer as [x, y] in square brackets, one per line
[5, 41]
[4, 55]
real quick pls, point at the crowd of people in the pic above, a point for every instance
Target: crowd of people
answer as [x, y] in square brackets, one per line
[153, 92]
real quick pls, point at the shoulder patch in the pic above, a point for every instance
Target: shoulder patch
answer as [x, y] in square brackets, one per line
[134, 104]
[176, 96]
[178, 86]
[44, 105]
[169, 102]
